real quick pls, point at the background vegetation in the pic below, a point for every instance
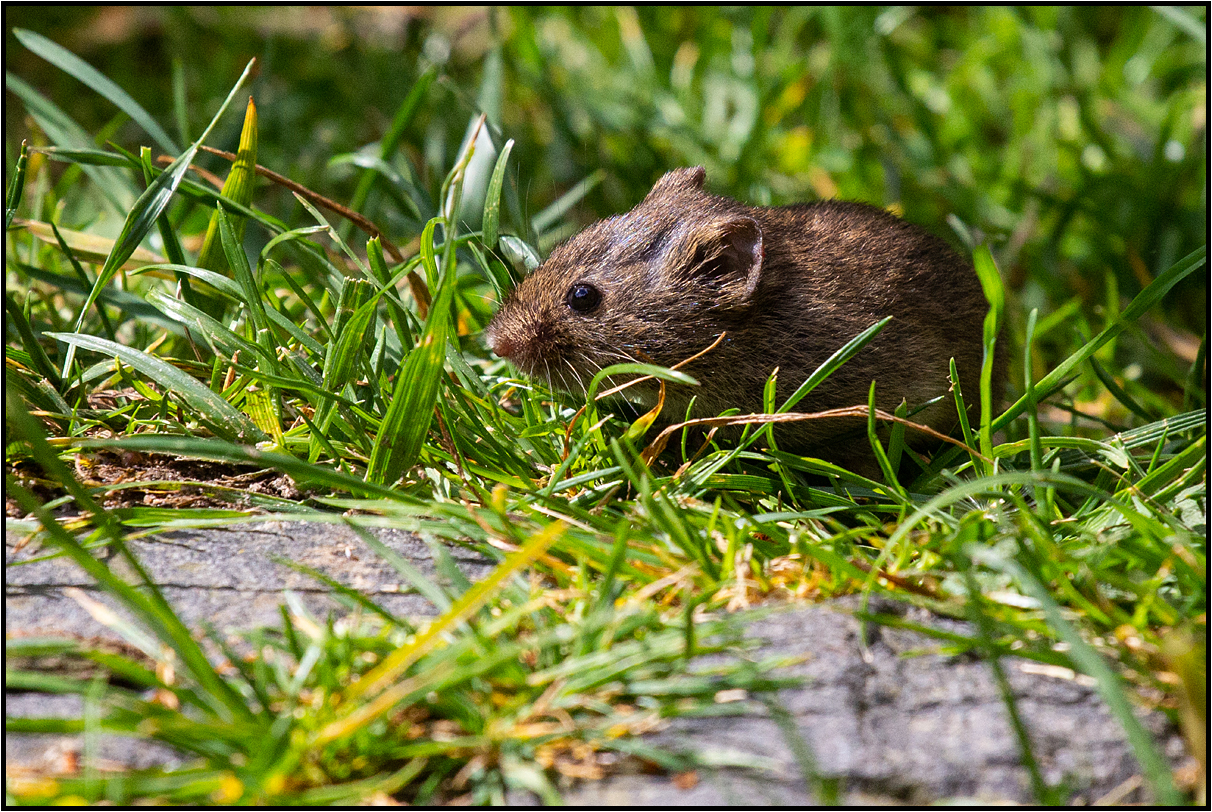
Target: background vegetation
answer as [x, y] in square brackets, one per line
[1070, 142]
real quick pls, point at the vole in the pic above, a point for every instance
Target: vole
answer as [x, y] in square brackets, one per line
[787, 285]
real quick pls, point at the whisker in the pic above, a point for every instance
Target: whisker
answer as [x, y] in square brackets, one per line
[576, 374]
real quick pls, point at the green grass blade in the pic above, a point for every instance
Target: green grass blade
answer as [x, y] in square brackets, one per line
[405, 425]
[404, 428]
[62, 130]
[962, 410]
[545, 219]
[12, 198]
[252, 298]
[214, 332]
[68, 62]
[1144, 300]
[145, 213]
[232, 290]
[844, 354]
[1192, 390]
[216, 450]
[220, 416]
[995, 293]
[664, 373]
[492, 202]
[38, 357]
[180, 103]
[355, 311]
[399, 317]
[1117, 391]
[237, 187]
[877, 450]
[262, 405]
[1107, 683]
[87, 157]
[114, 297]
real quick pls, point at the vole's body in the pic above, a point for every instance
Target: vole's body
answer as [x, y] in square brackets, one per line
[789, 285]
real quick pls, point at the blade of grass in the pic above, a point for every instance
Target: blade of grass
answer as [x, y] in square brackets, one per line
[492, 202]
[232, 290]
[844, 354]
[253, 298]
[38, 357]
[1143, 301]
[381, 275]
[145, 212]
[168, 236]
[215, 334]
[877, 449]
[402, 433]
[1191, 385]
[223, 451]
[180, 102]
[1107, 683]
[1118, 391]
[12, 198]
[991, 284]
[355, 312]
[219, 415]
[71, 64]
[62, 130]
[962, 409]
[405, 425]
[381, 678]
[1037, 457]
[238, 187]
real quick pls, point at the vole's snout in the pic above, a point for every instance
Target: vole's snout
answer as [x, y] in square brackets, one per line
[511, 336]
[502, 345]
[498, 343]
[525, 340]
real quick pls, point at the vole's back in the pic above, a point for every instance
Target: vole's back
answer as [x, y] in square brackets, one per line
[832, 270]
[788, 285]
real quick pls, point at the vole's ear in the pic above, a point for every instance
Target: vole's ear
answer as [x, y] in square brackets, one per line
[728, 254]
[689, 179]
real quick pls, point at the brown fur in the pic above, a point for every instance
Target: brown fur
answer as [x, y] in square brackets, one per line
[790, 285]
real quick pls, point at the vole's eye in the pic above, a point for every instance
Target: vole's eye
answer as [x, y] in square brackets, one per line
[583, 298]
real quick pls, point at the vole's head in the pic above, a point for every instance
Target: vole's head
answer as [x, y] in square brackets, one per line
[650, 285]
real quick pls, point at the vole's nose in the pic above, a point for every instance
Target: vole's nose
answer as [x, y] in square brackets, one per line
[500, 344]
